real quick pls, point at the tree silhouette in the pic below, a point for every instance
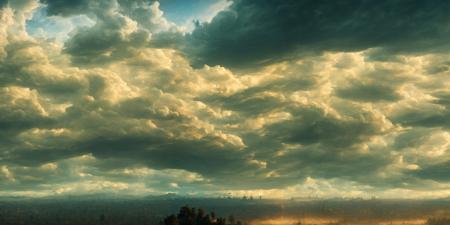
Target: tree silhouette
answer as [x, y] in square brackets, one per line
[102, 219]
[188, 216]
[231, 219]
[171, 220]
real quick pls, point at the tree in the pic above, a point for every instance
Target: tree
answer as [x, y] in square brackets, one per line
[102, 219]
[189, 216]
[171, 220]
[231, 219]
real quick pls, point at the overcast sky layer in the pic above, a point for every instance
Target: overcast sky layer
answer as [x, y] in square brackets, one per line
[293, 98]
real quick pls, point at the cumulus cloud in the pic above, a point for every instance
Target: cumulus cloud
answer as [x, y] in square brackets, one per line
[120, 27]
[110, 110]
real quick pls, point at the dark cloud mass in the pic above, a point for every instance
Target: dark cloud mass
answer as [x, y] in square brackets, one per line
[62, 7]
[274, 98]
[3, 3]
[313, 126]
[369, 92]
[252, 33]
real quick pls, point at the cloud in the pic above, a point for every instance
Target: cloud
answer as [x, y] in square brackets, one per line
[21, 110]
[3, 3]
[105, 40]
[110, 111]
[312, 125]
[120, 27]
[369, 92]
[438, 172]
[254, 33]
[424, 115]
[61, 7]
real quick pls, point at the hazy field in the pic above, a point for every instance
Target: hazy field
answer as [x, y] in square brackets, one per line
[149, 211]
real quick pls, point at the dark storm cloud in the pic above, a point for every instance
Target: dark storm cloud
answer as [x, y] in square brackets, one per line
[15, 70]
[311, 125]
[205, 156]
[3, 3]
[252, 33]
[269, 95]
[169, 39]
[252, 104]
[71, 7]
[120, 27]
[20, 113]
[439, 68]
[377, 85]
[369, 92]
[104, 42]
[438, 172]
[64, 7]
[424, 118]
[434, 114]
[443, 98]
[322, 162]
[412, 138]
[262, 98]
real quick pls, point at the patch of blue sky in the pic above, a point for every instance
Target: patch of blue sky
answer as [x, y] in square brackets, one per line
[185, 12]
[55, 28]
[181, 12]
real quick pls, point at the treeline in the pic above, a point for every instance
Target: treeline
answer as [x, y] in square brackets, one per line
[191, 216]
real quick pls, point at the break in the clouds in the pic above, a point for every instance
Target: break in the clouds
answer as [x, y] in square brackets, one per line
[273, 98]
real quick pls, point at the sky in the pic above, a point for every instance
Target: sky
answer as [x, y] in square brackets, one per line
[279, 99]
